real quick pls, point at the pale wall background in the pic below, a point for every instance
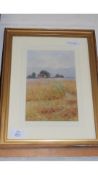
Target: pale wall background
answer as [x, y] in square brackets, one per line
[48, 21]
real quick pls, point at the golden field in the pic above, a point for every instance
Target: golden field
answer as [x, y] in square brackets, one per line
[51, 100]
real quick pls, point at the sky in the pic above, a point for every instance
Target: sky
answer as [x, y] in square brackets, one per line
[62, 62]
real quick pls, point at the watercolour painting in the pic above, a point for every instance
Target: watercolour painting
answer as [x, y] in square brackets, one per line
[51, 93]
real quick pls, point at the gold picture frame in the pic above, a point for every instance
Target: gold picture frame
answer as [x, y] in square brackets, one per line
[74, 40]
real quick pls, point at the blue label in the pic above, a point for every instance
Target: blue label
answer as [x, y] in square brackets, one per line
[18, 133]
[73, 43]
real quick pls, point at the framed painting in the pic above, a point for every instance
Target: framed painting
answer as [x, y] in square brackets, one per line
[49, 88]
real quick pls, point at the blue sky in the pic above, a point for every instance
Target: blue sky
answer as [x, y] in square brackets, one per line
[53, 61]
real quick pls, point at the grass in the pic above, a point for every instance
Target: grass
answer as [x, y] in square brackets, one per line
[51, 100]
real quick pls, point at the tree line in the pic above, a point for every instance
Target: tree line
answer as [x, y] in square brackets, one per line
[43, 74]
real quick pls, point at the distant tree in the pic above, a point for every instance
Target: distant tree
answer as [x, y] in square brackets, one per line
[59, 76]
[44, 74]
[29, 76]
[33, 75]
